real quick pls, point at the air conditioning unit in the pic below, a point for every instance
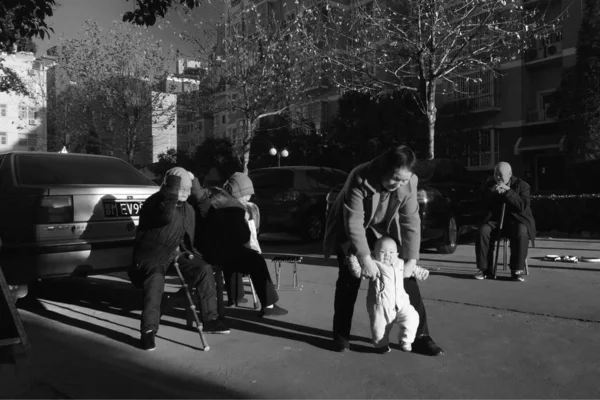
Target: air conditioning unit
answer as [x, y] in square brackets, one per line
[32, 122]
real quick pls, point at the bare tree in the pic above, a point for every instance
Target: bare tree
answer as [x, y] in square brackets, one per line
[252, 61]
[414, 45]
[116, 73]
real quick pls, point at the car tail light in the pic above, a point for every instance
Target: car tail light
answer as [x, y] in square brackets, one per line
[54, 210]
[425, 196]
[290, 195]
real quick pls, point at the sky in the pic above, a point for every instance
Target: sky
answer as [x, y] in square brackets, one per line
[69, 17]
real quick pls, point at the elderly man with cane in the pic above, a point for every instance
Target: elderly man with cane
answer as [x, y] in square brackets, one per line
[507, 199]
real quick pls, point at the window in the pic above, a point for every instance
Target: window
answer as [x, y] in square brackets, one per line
[27, 113]
[223, 119]
[2, 110]
[56, 169]
[22, 140]
[478, 151]
[2, 137]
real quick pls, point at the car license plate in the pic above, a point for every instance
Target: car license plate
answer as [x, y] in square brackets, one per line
[115, 209]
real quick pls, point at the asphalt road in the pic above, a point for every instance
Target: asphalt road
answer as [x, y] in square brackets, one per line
[538, 339]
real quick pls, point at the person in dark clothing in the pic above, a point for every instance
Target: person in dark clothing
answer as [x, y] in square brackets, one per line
[222, 236]
[518, 226]
[378, 199]
[167, 230]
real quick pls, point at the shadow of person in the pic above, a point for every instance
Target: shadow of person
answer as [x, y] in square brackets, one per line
[109, 233]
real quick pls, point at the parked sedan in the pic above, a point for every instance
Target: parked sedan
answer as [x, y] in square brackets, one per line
[292, 199]
[449, 202]
[67, 214]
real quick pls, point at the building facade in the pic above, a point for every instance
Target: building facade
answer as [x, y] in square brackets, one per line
[193, 124]
[508, 114]
[23, 119]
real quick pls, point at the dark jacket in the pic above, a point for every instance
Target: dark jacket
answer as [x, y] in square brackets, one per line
[221, 226]
[517, 200]
[353, 210]
[164, 225]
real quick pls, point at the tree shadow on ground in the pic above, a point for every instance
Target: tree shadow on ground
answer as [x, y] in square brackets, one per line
[122, 299]
[66, 349]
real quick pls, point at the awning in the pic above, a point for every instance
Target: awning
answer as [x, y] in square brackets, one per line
[540, 142]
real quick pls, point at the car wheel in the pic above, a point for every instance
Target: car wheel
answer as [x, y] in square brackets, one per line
[449, 241]
[314, 228]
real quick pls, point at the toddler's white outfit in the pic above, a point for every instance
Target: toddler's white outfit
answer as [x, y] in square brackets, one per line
[388, 304]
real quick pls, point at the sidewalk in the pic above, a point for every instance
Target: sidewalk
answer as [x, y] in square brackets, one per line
[502, 339]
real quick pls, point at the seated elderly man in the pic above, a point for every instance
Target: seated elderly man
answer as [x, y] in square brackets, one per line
[166, 231]
[518, 226]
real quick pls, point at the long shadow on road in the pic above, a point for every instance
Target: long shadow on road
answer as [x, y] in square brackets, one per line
[113, 297]
[77, 366]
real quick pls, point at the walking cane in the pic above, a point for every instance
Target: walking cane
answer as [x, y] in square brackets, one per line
[205, 346]
[495, 266]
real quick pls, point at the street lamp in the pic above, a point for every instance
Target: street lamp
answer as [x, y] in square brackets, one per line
[283, 153]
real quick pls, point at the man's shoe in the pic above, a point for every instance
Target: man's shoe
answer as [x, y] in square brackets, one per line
[481, 275]
[341, 345]
[215, 326]
[426, 346]
[383, 350]
[148, 342]
[274, 311]
[517, 276]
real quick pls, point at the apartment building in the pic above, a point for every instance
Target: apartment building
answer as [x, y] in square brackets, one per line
[508, 114]
[23, 121]
[193, 124]
[159, 133]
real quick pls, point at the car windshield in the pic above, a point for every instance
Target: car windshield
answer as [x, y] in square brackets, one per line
[272, 179]
[62, 169]
[326, 177]
[440, 171]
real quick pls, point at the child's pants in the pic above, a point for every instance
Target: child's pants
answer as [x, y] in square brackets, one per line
[382, 322]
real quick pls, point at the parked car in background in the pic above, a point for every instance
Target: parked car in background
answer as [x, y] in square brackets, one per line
[449, 202]
[67, 214]
[292, 199]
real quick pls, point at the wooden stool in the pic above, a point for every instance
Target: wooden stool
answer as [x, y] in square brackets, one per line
[246, 279]
[287, 259]
[505, 241]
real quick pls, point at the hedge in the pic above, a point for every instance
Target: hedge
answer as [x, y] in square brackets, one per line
[567, 213]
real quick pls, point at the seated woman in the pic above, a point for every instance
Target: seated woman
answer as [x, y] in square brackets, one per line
[223, 237]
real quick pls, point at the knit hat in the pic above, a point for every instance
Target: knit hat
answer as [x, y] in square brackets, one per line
[239, 185]
[177, 178]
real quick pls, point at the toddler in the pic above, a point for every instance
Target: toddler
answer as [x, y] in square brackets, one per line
[387, 302]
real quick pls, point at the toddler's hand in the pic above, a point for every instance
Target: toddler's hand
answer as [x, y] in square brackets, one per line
[420, 273]
[369, 268]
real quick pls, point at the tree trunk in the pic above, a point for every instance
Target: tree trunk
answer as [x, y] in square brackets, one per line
[246, 145]
[431, 117]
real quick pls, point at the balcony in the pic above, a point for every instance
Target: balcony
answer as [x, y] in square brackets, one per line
[473, 104]
[535, 117]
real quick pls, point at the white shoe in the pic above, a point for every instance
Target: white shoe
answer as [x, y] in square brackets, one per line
[406, 347]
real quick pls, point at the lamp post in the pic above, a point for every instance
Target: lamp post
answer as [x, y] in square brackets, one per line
[283, 153]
